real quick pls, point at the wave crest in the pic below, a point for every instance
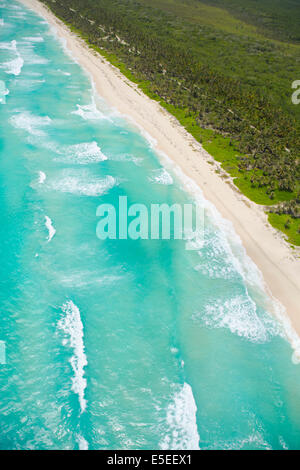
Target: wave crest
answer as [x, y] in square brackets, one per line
[83, 185]
[30, 122]
[181, 420]
[72, 326]
[161, 176]
[239, 314]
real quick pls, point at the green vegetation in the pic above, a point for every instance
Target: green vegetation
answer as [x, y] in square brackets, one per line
[213, 65]
[274, 18]
[288, 225]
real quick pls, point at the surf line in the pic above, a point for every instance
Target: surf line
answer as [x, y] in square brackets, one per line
[72, 326]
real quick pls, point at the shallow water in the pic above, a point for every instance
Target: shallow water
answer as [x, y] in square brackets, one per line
[119, 344]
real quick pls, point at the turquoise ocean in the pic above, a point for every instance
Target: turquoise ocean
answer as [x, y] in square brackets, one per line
[119, 344]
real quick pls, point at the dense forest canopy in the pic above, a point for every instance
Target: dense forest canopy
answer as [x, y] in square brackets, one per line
[278, 19]
[224, 68]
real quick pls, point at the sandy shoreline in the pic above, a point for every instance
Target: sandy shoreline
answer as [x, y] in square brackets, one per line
[273, 256]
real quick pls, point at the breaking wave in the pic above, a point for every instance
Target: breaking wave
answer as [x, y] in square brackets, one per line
[62, 72]
[90, 112]
[240, 262]
[126, 157]
[3, 93]
[29, 85]
[181, 420]
[29, 55]
[83, 184]
[84, 153]
[161, 176]
[10, 46]
[72, 326]
[42, 177]
[15, 65]
[34, 39]
[51, 229]
[30, 123]
[239, 314]
[82, 443]
[253, 441]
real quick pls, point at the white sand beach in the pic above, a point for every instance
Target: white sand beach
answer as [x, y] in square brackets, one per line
[278, 262]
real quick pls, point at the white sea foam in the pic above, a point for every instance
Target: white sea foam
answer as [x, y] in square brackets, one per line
[72, 326]
[62, 72]
[181, 420]
[10, 46]
[1, 22]
[216, 261]
[83, 184]
[13, 66]
[127, 157]
[29, 85]
[161, 176]
[35, 74]
[88, 279]
[30, 122]
[254, 440]
[29, 55]
[84, 153]
[18, 15]
[51, 229]
[90, 112]
[15, 7]
[241, 262]
[228, 240]
[27, 48]
[3, 94]
[216, 271]
[35, 59]
[82, 442]
[63, 42]
[34, 39]
[289, 331]
[151, 140]
[283, 443]
[239, 314]
[42, 177]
